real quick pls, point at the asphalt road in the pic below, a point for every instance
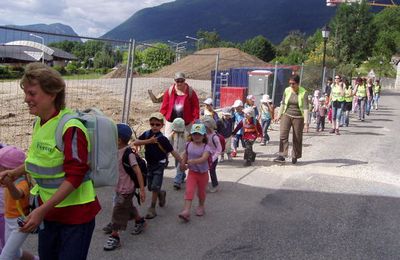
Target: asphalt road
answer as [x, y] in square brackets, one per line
[341, 201]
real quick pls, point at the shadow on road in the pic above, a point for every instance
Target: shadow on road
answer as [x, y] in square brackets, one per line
[364, 133]
[342, 162]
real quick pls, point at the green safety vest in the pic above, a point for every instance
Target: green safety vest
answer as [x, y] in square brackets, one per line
[348, 95]
[302, 93]
[336, 95]
[44, 163]
[377, 89]
[361, 91]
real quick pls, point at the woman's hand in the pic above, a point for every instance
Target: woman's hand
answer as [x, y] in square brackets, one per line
[33, 220]
[4, 174]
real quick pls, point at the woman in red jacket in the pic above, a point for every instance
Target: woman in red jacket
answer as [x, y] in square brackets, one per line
[180, 100]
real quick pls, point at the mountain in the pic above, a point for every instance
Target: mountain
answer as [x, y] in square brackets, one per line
[8, 35]
[234, 20]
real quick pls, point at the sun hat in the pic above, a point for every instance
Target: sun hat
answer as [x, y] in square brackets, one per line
[226, 111]
[248, 111]
[265, 99]
[11, 157]
[208, 101]
[321, 99]
[178, 125]
[238, 103]
[158, 116]
[198, 128]
[209, 122]
[251, 97]
[124, 132]
[179, 75]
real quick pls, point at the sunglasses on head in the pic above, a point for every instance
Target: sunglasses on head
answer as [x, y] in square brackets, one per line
[179, 80]
[155, 124]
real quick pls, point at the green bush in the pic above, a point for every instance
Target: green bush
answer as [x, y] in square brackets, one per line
[60, 69]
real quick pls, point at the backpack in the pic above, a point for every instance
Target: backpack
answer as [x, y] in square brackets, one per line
[128, 169]
[221, 140]
[103, 137]
[171, 88]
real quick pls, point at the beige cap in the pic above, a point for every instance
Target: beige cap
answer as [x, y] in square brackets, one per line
[157, 115]
[179, 75]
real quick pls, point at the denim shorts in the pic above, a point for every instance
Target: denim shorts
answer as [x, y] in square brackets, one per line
[155, 175]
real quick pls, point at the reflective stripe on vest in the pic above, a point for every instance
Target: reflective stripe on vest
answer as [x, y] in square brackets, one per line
[300, 95]
[336, 94]
[361, 91]
[45, 163]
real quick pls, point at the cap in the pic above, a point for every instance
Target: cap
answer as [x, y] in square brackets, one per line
[238, 103]
[316, 93]
[226, 111]
[251, 97]
[124, 132]
[11, 157]
[265, 99]
[179, 75]
[157, 115]
[209, 122]
[208, 101]
[248, 111]
[178, 125]
[321, 99]
[198, 128]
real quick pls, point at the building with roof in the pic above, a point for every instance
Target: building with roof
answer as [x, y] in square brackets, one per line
[22, 52]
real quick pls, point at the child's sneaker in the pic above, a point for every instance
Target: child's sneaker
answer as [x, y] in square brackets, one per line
[108, 229]
[139, 227]
[177, 186]
[222, 158]
[229, 157]
[162, 194]
[184, 215]
[200, 211]
[213, 189]
[151, 213]
[112, 243]
[233, 153]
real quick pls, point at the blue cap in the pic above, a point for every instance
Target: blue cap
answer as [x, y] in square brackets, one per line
[198, 128]
[124, 132]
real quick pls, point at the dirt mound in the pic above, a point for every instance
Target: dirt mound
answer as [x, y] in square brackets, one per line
[200, 64]
[119, 72]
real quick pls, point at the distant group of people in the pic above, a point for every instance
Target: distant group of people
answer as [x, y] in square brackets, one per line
[65, 199]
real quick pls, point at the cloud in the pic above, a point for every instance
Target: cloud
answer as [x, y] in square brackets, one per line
[88, 18]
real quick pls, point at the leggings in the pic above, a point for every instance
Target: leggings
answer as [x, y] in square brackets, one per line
[197, 180]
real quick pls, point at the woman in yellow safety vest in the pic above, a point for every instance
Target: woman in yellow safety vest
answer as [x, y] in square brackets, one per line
[360, 91]
[66, 201]
[348, 102]
[337, 100]
[377, 91]
[293, 113]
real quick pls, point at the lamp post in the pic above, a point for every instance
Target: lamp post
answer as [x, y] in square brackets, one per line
[325, 35]
[40, 37]
[198, 40]
[178, 48]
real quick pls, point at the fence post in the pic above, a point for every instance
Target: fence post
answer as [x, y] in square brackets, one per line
[215, 80]
[126, 81]
[131, 79]
[274, 84]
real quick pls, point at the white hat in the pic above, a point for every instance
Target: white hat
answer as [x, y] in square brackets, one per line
[226, 111]
[248, 111]
[208, 101]
[178, 125]
[321, 99]
[238, 103]
[265, 99]
[251, 97]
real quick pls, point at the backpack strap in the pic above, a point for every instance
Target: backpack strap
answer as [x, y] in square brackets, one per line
[171, 88]
[125, 158]
[60, 128]
[212, 139]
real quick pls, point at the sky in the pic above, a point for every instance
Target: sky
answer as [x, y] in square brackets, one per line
[87, 17]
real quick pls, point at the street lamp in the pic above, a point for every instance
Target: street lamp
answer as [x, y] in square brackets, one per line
[178, 48]
[198, 40]
[40, 37]
[325, 35]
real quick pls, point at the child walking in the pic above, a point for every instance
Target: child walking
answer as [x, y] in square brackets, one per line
[16, 198]
[238, 116]
[321, 114]
[124, 210]
[196, 160]
[209, 110]
[225, 128]
[157, 147]
[216, 149]
[266, 116]
[178, 141]
[252, 130]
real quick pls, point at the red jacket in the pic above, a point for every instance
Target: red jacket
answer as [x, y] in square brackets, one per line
[252, 129]
[191, 108]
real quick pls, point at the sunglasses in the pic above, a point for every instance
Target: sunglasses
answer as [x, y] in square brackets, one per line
[292, 83]
[179, 80]
[155, 124]
[337, 78]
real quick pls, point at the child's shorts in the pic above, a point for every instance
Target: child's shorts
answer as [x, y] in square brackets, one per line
[155, 175]
[123, 211]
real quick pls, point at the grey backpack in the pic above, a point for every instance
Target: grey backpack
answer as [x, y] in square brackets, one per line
[103, 155]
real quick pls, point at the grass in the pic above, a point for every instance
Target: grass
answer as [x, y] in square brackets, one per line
[83, 76]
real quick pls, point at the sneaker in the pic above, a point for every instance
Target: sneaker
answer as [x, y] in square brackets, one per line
[200, 211]
[213, 189]
[294, 160]
[280, 158]
[112, 243]
[332, 131]
[222, 159]
[151, 213]
[177, 186]
[139, 227]
[233, 153]
[263, 144]
[161, 198]
[108, 229]
[184, 215]
[337, 132]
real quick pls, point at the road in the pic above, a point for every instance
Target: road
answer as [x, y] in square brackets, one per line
[341, 201]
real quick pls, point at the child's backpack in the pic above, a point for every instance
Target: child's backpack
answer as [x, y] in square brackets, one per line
[103, 137]
[221, 140]
[128, 169]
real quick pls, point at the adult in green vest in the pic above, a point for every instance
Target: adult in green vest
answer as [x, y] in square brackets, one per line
[293, 114]
[360, 91]
[66, 201]
[370, 95]
[336, 101]
[377, 91]
[348, 102]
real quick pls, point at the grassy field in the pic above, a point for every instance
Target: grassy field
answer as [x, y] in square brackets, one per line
[84, 76]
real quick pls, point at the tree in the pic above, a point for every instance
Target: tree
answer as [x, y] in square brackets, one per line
[260, 47]
[210, 39]
[156, 57]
